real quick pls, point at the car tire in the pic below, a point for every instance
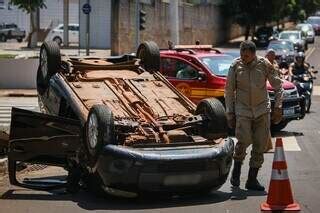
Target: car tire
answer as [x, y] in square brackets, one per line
[58, 40]
[278, 127]
[308, 103]
[149, 54]
[3, 38]
[216, 125]
[50, 60]
[99, 130]
[19, 40]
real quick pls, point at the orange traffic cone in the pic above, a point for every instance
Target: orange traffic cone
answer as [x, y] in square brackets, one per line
[280, 194]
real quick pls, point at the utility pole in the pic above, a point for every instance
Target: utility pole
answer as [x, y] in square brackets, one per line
[66, 23]
[88, 31]
[137, 23]
[174, 21]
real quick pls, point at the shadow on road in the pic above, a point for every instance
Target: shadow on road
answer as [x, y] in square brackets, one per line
[87, 201]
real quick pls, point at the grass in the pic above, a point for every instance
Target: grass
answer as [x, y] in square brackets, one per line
[7, 56]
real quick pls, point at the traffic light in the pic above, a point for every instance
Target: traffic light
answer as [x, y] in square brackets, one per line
[142, 19]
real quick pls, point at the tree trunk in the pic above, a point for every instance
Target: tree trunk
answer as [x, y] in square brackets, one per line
[247, 32]
[33, 35]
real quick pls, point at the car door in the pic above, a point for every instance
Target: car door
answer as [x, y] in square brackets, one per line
[41, 138]
[185, 76]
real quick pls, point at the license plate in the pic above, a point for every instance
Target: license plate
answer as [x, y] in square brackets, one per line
[287, 112]
[175, 180]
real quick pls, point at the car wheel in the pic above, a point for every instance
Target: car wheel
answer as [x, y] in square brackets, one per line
[99, 130]
[58, 40]
[50, 60]
[149, 54]
[19, 40]
[278, 127]
[216, 125]
[3, 38]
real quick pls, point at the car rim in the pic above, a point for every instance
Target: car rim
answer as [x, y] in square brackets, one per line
[93, 130]
[58, 41]
[44, 62]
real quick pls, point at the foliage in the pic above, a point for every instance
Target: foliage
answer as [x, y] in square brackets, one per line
[29, 5]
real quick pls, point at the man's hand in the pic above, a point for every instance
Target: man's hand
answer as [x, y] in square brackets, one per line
[231, 119]
[276, 116]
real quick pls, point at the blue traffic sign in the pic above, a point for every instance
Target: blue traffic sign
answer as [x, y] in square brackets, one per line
[86, 8]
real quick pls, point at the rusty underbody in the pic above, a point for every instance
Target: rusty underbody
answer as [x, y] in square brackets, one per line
[145, 106]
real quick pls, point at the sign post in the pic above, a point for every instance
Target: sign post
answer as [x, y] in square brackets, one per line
[86, 9]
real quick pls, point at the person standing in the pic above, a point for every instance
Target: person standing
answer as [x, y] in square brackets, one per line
[248, 109]
[271, 56]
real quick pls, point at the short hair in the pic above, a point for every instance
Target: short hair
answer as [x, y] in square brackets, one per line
[271, 51]
[248, 45]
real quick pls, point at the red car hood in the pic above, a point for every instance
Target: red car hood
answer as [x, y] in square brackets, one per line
[285, 84]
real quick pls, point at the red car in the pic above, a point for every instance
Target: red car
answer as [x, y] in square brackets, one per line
[199, 71]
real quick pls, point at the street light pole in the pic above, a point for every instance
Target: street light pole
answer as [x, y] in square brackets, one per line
[87, 32]
[174, 21]
[137, 23]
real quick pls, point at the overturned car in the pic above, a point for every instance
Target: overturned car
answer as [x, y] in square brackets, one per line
[118, 126]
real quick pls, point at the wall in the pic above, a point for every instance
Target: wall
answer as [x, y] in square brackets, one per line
[197, 22]
[100, 24]
[18, 73]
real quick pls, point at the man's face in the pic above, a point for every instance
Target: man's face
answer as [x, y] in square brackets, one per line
[271, 57]
[247, 56]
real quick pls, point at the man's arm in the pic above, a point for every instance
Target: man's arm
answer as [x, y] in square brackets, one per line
[276, 83]
[230, 91]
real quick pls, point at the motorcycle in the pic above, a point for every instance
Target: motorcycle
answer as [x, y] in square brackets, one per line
[304, 84]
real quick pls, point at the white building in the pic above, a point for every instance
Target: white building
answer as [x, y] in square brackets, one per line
[100, 16]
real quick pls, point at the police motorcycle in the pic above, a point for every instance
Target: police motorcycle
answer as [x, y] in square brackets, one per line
[303, 79]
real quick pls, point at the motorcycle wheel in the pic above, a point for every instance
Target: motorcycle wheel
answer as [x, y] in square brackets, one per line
[308, 103]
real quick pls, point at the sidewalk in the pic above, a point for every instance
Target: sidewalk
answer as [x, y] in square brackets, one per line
[18, 93]
[20, 50]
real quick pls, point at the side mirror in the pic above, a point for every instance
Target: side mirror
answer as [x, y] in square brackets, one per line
[202, 76]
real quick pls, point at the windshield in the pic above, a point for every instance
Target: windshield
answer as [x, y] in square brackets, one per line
[304, 27]
[281, 46]
[218, 65]
[291, 36]
[313, 20]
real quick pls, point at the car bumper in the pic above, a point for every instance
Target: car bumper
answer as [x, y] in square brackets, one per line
[165, 169]
[293, 108]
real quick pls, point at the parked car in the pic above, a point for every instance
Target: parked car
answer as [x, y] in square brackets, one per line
[296, 37]
[264, 35]
[118, 126]
[315, 22]
[283, 48]
[11, 31]
[308, 31]
[209, 68]
[56, 34]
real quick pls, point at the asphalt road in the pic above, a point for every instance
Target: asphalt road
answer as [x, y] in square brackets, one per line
[302, 146]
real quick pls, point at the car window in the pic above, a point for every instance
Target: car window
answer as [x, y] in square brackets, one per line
[281, 46]
[313, 20]
[61, 27]
[11, 26]
[175, 68]
[289, 36]
[218, 65]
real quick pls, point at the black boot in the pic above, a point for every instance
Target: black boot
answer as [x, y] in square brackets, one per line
[235, 178]
[252, 182]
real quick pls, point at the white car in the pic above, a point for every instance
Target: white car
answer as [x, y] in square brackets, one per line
[308, 31]
[56, 34]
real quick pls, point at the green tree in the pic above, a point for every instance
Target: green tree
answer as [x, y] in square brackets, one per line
[249, 13]
[31, 7]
